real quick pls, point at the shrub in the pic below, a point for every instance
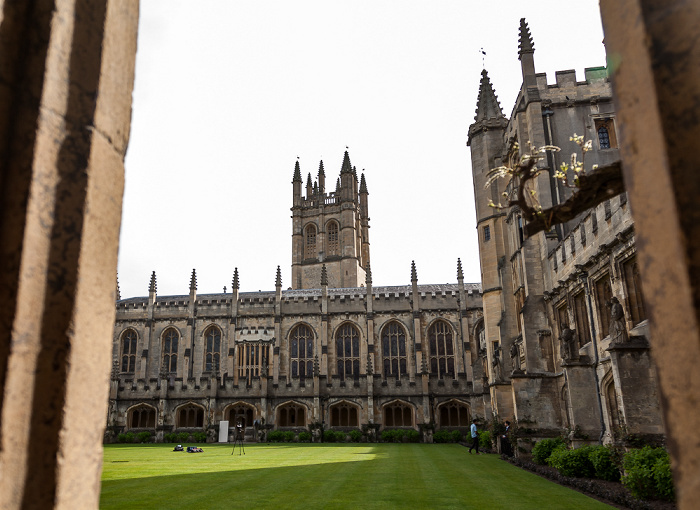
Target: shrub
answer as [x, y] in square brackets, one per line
[602, 458]
[183, 437]
[442, 436]
[275, 436]
[413, 436]
[640, 477]
[572, 462]
[456, 436]
[393, 435]
[169, 438]
[664, 479]
[484, 439]
[143, 437]
[304, 437]
[355, 436]
[126, 438]
[289, 436]
[329, 436]
[200, 437]
[543, 449]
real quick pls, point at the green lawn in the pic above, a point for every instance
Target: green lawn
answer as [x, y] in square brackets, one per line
[318, 476]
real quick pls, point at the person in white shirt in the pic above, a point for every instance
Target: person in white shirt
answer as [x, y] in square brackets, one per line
[475, 438]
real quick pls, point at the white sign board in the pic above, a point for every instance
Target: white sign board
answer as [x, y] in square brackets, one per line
[223, 431]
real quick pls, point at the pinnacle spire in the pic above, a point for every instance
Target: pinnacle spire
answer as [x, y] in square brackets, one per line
[278, 279]
[460, 275]
[324, 276]
[152, 286]
[308, 180]
[337, 185]
[119, 294]
[354, 172]
[487, 106]
[346, 166]
[363, 184]
[193, 280]
[234, 285]
[525, 42]
[320, 169]
[315, 187]
[368, 275]
[297, 172]
[414, 273]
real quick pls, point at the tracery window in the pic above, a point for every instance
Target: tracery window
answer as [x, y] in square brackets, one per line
[251, 358]
[310, 245]
[332, 248]
[347, 350]
[344, 415]
[603, 295]
[291, 415]
[633, 285]
[301, 351]
[212, 348]
[129, 351]
[398, 414]
[142, 417]
[171, 340]
[394, 350]
[190, 416]
[240, 413]
[442, 360]
[605, 129]
[603, 137]
[454, 414]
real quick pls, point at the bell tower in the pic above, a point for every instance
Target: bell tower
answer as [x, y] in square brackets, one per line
[330, 228]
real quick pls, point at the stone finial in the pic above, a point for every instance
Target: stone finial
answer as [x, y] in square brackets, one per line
[354, 172]
[193, 281]
[414, 273]
[278, 278]
[315, 187]
[368, 275]
[337, 185]
[346, 166]
[309, 182]
[363, 183]
[115, 370]
[324, 276]
[487, 105]
[297, 172]
[152, 285]
[316, 366]
[320, 169]
[119, 294]
[235, 285]
[460, 275]
[525, 42]
[370, 368]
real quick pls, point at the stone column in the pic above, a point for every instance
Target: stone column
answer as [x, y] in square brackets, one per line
[66, 80]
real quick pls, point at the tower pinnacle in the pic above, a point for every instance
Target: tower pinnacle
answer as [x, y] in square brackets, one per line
[487, 106]
[152, 286]
[193, 280]
[235, 285]
[525, 43]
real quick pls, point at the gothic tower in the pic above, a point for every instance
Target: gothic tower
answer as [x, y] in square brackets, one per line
[330, 228]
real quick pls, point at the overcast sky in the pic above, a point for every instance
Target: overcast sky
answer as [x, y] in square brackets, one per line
[229, 93]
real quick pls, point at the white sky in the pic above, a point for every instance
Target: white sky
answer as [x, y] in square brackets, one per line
[229, 93]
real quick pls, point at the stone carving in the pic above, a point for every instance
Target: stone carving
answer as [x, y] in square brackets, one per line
[569, 352]
[496, 365]
[618, 331]
[515, 357]
[263, 367]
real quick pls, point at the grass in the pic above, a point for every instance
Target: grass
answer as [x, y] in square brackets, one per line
[318, 476]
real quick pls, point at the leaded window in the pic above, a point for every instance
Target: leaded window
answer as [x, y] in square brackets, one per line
[310, 245]
[347, 350]
[212, 349]
[252, 356]
[442, 360]
[301, 351]
[129, 351]
[604, 137]
[394, 350]
[332, 248]
[171, 339]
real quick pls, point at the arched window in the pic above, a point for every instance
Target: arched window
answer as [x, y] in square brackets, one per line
[612, 407]
[142, 417]
[301, 351]
[310, 244]
[398, 414]
[480, 336]
[190, 416]
[253, 359]
[633, 285]
[442, 360]
[171, 339]
[332, 232]
[347, 350]
[291, 415]
[344, 415]
[212, 348]
[603, 295]
[454, 414]
[394, 350]
[240, 413]
[129, 351]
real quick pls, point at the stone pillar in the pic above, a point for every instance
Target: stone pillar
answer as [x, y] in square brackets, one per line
[65, 108]
[582, 400]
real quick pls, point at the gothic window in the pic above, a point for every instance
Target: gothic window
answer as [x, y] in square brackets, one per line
[212, 348]
[581, 312]
[563, 316]
[344, 415]
[347, 350]
[398, 414]
[170, 343]
[251, 358]
[605, 128]
[291, 415]
[190, 416]
[480, 335]
[454, 414]
[142, 417]
[633, 285]
[310, 245]
[394, 350]
[612, 407]
[129, 351]
[301, 351]
[442, 360]
[603, 137]
[240, 413]
[603, 295]
[487, 233]
[332, 229]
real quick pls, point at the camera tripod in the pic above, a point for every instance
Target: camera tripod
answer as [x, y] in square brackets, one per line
[238, 441]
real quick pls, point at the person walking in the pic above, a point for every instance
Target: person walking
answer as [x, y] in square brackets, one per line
[475, 438]
[506, 447]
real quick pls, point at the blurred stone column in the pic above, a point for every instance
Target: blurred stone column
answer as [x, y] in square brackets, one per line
[66, 78]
